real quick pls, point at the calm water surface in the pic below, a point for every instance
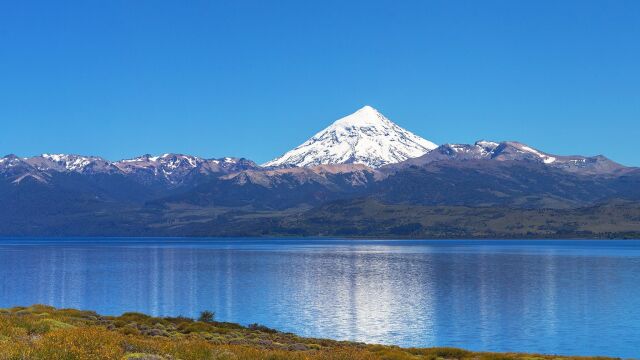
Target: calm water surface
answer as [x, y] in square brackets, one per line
[563, 297]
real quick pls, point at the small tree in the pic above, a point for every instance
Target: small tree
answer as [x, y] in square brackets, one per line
[207, 316]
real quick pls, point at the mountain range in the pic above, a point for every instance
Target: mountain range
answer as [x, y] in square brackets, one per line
[362, 176]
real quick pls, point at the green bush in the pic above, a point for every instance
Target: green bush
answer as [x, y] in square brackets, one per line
[207, 316]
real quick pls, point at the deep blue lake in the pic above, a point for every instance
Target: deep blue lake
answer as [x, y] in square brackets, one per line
[562, 297]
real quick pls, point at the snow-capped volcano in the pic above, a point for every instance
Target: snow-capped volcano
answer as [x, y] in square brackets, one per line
[364, 137]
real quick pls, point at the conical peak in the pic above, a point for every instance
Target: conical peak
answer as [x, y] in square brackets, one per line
[365, 116]
[367, 108]
[368, 111]
[363, 137]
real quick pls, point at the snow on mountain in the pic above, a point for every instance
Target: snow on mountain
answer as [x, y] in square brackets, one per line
[364, 137]
[170, 167]
[70, 163]
[40, 167]
[515, 151]
[165, 163]
[176, 167]
[14, 167]
[173, 169]
[10, 161]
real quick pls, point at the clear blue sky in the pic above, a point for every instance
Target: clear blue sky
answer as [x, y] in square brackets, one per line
[255, 78]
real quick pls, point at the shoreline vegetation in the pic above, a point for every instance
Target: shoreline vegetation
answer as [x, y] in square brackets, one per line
[354, 218]
[44, 332]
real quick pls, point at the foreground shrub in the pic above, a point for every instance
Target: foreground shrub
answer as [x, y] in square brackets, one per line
[207, 316]
[41, 332]
[79, 344]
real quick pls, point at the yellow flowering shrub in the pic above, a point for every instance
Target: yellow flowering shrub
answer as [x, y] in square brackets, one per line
[42, 332]
[78, 344]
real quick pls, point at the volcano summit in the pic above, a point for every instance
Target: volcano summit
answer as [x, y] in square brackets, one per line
[364, 137]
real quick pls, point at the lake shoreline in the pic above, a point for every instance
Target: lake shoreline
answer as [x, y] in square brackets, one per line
[471, 294]
[313, 238]
[44, 332]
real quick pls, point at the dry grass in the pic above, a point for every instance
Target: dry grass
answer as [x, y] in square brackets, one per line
[43, 332]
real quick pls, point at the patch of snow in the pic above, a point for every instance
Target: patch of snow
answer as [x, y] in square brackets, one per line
[54, 157]
[69, 162]
[488, 144]
[459, 148]
[545, 158]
